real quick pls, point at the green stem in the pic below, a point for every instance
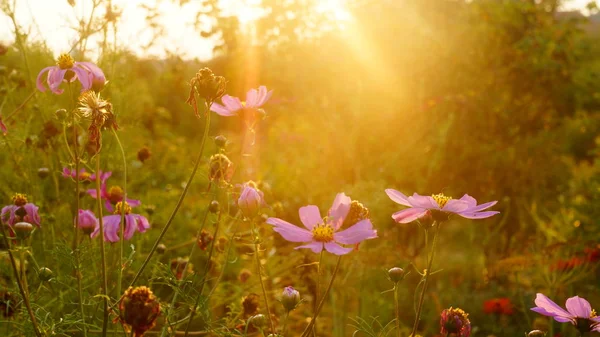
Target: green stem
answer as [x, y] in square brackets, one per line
[426, 275]
[317, 290]
[102, 250]
[285, 320]
[259, 274]
[204, 277]
[312, 321]
[180, 201]
[397, 307]
[20, 284]
[183, 274]
[235, 230]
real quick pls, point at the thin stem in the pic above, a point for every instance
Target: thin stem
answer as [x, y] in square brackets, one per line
[184, 273]
[285, 320]
[397, 306]
[180, 201]
[235, 230]
[123, 201]
[258, 270]
[102, 251]
[318, 289]
[206, 269]
[312, 321]
[426, 275]
[19, 283]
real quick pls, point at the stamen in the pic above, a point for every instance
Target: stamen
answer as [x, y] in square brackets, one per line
[65, 61]
[441, 199]
[323, 233]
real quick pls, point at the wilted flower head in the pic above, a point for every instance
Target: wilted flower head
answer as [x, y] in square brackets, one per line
[207, 86]
[357, 213]
[20, 210]
[100, 114]
[66, 69]
[439, 205]
[251, 199]
[324, 232]
[220, 168]
[455, 320]
[250, 305]
[290, 298]
[87, 221]
[204, 240]
[579, 312]
[143, 154]
[231, 105]
[139, 309]
[112, 195]
[112, 224]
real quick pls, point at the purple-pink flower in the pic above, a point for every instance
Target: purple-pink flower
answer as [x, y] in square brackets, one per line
[112, 195]
[251, 199]
[422, 205]
[579, 312]
[231, 105]
[112, 224]
[87, 221]
[66, 69]
[20, 210]
[324, 232]
[71, 173]
[455, 321]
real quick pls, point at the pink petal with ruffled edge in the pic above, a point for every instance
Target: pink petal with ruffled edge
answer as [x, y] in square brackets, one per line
[290, 232]
[251, 98]
[310, 216]
[579, 307]
[32, 214]
[55, 79]
[315, 246]
[221, 110]
[131, 225]
[232, 103]
[38, 82]
[363, 230]
[547, 307]
[95, 71]
[455, 206]
[409, 214]
[339, 210]
[336, 249]
[423, 201]
[84, 77]
[398, 197]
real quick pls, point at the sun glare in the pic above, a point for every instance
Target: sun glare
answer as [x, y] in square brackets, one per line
[337, 10]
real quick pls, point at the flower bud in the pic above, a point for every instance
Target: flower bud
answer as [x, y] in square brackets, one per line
[221, 141]
[259, 321]
[45, 274]
[43, 172]
[139, 309]
[536, 333]
[214, 206]
[250, 200]
[161, 248]
[87, 221]
[290, 298]
[396, 274]
[23, 229]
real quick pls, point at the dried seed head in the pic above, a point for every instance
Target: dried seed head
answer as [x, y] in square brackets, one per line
[204, 240]
[143, 154]
[356, 213]
[250, 305]
[139, 309]
[219, 167]
[206, 85]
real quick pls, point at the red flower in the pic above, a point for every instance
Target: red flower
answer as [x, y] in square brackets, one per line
[500, 306]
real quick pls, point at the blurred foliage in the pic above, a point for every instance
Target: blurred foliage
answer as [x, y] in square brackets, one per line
[497, 99]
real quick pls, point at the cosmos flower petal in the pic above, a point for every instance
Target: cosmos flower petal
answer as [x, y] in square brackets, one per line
[549, 308]
[409, 214]
[290, 232]
[455, 206]
[469, 200]
[398, 197]
[38, 81]
[315, 246]
[32, 214]
[251, 98]
[339, 210]
[84, 77]
[310, 216]
[231, 103]
[478, 215]
[481, 207]
[142, 223]
[111, 228]
[363, 230]
[262, 94]
[96, 73]
[133, 202]
[423, 201]
[336, 249]
[92, 193]
[55, 78]
[266, 98]
[579, 307]
[221, 110]
[109, 206]
[130, 226]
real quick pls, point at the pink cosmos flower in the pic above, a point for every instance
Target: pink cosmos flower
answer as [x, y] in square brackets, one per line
[112, 224]
[324, 232]
[19, 211]
[579, 312]
[111, 195]
[421, 205]
[3, 127]
[231, 105]
[87, 221]
[251, 199]
[455, 321]
[67, 69]
[71, 173]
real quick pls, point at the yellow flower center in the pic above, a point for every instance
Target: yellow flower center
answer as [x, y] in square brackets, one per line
[323, 233]
[593, 313]
[119, 205]
[65, 61]
[441, 199]
[84, 176]
[19, 199]
[115, 194]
